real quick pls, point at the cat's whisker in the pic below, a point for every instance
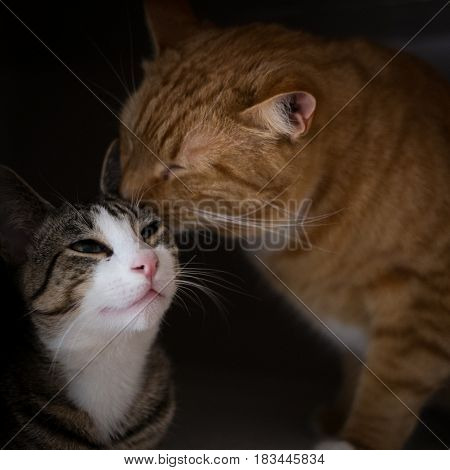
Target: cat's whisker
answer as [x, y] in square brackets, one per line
[286, 228]
[203, 288]
[178, 298]
[217, 274]
[192, 295]
[130, 35]
[81, 328]
[209, 272]
[224, 284]
[325, 216]
[137, 196]
[110, 65]
[140, 196]
[107, 92]
[232, 220]
[263, 228]
[212, 295]
[236, 219]
[61, 341]
[30, 312]
[122, 70]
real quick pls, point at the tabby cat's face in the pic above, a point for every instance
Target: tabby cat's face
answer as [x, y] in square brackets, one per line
[104, 267]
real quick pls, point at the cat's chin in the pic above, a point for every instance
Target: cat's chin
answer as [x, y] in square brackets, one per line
[140, 305]
[144, 315]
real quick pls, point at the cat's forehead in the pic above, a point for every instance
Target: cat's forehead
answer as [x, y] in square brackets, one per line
[116, 224]
[112, 213]
[74, 220]
[166, 115]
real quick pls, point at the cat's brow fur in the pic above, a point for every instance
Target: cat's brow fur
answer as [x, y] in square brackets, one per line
[382, 166]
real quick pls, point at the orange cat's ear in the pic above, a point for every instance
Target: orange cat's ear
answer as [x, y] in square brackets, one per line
[169, 22]
[288, 114]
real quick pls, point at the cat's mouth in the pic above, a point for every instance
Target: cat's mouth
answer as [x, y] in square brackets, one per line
[137, 306]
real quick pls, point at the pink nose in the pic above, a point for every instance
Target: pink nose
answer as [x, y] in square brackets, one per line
[146, 262]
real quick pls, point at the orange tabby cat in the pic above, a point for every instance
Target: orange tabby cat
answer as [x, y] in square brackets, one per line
[250, 113]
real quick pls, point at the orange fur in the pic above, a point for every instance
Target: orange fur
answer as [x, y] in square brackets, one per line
[383, 165]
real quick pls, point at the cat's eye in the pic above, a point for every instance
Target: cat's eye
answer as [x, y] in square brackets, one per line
[91, 247]
[169, 171]
[150, 229]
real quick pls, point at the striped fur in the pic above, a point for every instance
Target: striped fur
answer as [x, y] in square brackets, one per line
[88, 372]
[380, 266]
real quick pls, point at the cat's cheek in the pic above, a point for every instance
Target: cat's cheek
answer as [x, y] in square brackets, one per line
[165, 277]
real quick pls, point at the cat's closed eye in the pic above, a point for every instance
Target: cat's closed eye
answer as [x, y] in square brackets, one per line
[169, 171]
[150, 229]
[91, 247]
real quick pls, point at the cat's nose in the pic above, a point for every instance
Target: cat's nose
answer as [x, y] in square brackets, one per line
[146, 262]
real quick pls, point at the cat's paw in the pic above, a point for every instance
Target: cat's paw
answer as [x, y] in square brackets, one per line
[334, 444]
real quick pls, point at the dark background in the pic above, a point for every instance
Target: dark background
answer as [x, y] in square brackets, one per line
[254, 375]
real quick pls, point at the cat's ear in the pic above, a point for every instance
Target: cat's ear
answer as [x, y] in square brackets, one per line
[285, 114]
[169, 22]
[111, 175]
[22, 211]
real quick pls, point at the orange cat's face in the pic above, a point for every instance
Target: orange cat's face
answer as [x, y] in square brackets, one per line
[200, 128]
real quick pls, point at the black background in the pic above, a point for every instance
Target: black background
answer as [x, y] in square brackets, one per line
[254, 375]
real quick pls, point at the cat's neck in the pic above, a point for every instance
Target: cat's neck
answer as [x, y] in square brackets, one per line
[105, 378]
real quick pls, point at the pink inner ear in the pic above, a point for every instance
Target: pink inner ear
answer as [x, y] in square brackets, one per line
[303, 107]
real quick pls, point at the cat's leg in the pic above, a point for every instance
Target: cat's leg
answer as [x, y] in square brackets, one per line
[408, 359]
[351, 344]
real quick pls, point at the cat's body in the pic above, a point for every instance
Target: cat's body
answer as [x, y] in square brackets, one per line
[226, 114]
[145, 404]
[86, 371]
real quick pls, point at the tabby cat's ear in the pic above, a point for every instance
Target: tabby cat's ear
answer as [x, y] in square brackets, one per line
[286, 114]
[169, 22]
[111, 175]
[22, 211]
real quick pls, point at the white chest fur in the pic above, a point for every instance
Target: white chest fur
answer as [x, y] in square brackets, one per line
[107, 382]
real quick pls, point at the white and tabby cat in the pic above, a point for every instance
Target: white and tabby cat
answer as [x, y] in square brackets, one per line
[96, 281]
